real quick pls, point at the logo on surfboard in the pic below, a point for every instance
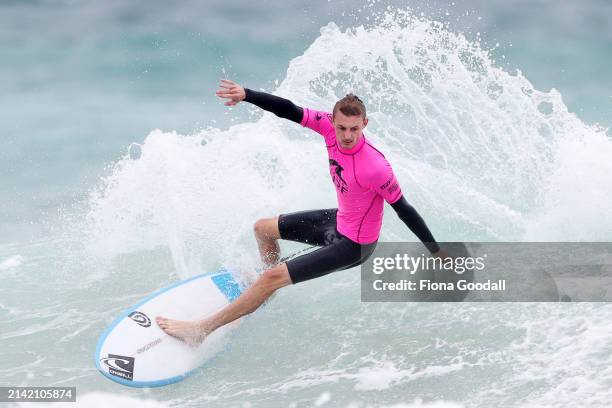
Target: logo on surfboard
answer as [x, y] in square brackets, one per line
[140, 318]
[119, 366]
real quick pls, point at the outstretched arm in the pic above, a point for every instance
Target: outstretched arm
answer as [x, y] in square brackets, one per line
[415, 222]
[281, 107]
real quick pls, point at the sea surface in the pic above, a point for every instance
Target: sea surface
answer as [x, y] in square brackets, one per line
[121, 172]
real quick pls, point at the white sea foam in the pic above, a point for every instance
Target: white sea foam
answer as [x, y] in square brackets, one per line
[473, 147]
[568, 350]
[11, 262]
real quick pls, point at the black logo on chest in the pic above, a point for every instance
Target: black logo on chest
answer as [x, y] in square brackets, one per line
[336, 172]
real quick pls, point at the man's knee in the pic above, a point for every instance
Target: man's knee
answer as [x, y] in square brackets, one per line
[276, 277]
[267, 228]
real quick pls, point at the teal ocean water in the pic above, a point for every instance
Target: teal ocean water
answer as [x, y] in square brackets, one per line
[121, 172]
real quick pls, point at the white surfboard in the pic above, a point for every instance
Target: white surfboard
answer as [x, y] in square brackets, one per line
[134, 351]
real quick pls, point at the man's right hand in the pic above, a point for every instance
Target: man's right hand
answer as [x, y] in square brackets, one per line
[232, 91]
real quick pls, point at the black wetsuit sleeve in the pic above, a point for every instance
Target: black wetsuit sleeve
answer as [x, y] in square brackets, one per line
[281, 107]
[415, 222]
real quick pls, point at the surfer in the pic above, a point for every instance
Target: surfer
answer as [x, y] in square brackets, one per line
[346, 235]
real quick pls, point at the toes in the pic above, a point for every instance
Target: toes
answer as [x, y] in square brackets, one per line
[162, 322]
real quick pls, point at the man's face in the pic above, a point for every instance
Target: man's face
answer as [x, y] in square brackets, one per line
[348, 129]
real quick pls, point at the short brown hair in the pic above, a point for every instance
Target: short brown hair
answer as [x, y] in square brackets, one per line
[350, 105]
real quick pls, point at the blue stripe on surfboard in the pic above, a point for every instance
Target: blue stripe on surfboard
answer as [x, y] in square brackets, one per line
[227, 285]
[228, 279]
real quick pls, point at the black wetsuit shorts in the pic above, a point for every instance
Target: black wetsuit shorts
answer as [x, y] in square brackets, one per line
[318, 227]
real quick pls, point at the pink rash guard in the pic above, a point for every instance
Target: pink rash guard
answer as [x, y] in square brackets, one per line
[363, 179]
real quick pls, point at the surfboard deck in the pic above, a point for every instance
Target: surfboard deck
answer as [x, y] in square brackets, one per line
[134, 351]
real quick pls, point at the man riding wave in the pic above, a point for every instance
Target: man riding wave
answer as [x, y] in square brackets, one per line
[346, 235]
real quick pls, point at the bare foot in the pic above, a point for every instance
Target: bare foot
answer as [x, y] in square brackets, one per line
[191, 332]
